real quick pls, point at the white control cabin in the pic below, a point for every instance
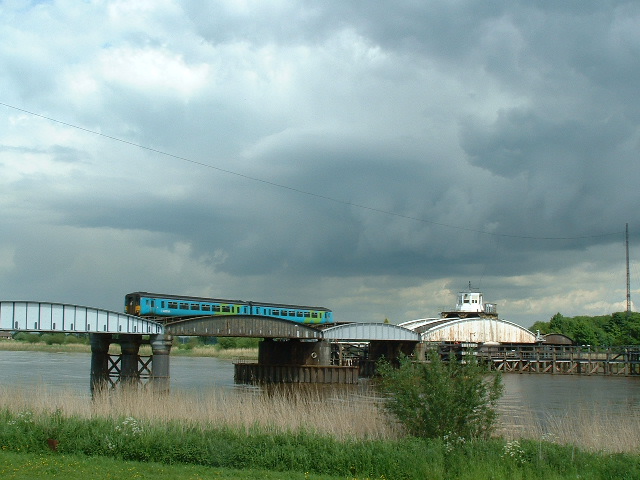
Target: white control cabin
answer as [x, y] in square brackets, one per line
[472, 301]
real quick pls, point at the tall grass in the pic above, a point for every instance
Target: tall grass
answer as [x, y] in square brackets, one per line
[281, 430]
[590, 430]
[338, 415]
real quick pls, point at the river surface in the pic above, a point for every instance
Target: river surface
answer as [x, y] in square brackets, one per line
[525, 395]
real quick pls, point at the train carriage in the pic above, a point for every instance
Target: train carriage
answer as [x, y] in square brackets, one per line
[147, 304]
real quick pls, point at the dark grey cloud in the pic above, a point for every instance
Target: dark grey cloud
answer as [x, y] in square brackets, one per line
[369, 158]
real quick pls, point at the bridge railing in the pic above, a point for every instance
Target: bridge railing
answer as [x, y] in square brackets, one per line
[58, 317]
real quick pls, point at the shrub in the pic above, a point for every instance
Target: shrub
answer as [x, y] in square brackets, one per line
[437, 399]
[27, 337]
[238, 342]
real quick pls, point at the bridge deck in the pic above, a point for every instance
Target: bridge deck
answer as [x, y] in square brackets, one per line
[58, 317]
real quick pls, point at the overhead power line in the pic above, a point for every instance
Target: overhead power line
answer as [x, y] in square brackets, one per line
[304, 192]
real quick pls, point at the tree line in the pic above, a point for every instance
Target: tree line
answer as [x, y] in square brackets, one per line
[620, 328]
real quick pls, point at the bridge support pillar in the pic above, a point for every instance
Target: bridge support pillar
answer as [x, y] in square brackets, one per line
[294, 352]
[160, 350]
[390, 350]
[130, 347]
[99, 361]
[421, 351]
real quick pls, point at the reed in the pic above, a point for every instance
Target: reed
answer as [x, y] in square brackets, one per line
[341, 416]
[593, 431]
[277, 430]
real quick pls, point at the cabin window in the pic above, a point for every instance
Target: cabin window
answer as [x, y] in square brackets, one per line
[184, 306]
[276, 312]
[195, 306]
[216, 308]
[153, 303]
[314, 315]
[173, 305]
[206, 308]
[299, 314]
[226, 309]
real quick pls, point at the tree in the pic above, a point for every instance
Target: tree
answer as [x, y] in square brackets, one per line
[437, 399]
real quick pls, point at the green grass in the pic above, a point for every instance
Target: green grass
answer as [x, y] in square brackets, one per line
[206, 450]
[29, 466]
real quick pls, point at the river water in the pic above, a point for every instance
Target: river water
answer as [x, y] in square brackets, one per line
[525, 395]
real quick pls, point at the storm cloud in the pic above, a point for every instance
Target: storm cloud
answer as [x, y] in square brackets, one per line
[369, 158]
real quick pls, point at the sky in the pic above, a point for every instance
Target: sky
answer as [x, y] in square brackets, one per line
[373, 158]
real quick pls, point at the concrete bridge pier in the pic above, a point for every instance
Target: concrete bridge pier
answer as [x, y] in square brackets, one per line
[99, 379]
[160, 350]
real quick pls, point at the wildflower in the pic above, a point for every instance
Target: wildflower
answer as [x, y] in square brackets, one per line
[514, 451]
[452, 442]
[129, 427]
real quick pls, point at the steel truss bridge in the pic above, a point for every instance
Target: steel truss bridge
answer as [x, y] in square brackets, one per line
[306, 356]
[65, 318]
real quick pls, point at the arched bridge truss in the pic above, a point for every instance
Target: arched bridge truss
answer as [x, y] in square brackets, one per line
[58, 317]
[242, 326]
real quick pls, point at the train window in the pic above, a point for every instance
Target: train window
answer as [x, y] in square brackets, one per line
[162, 304]
[276, 312]
[153, 303]
[206, 308]
[216, 308]
[307, 314]
[292, 313]
[314, 314]
[173, 305]
[299, 314]
[184, 306]
[195, 306]
[147, 301]
[226, 309]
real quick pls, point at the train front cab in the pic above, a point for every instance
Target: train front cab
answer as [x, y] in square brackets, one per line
[132, 304]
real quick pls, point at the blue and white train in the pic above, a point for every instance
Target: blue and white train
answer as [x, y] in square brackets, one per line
[147, 304]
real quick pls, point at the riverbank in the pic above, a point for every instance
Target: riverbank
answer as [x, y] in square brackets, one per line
[339, 413]
[111, 434]
[145, 350]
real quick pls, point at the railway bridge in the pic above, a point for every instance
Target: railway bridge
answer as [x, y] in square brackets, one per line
[289, 352]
